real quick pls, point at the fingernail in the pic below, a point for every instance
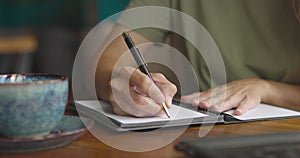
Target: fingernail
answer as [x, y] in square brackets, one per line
[238, 112]
[203, 105]
[169, 101]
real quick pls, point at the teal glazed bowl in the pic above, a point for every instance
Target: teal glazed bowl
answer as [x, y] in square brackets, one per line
[31, 104]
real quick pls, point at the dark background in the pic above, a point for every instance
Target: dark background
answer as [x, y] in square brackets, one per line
[58, 25]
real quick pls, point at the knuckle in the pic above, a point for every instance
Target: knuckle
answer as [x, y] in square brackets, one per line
[146, 82]
[159, 75]
[114, 85]
[242, 103]
[227, 101]
[144, 78]
[173, 88]
[127, 70]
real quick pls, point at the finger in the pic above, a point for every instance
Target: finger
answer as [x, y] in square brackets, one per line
[205, 95]
[160, 78]
[130, 101]
[214, 98]
[229, 102]
[119, 101]
[214, 102]
[167, 88]
[245, 105]
[146, 85]
[193, 98]
[126, 72]
[144, 105]
[137, 104]
[134, 77]
[118, 86]
[116, 108]
[169, 91]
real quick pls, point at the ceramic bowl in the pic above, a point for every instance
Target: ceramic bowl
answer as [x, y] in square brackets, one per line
[31, 104]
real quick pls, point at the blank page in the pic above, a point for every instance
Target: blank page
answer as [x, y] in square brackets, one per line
[177, 113]
[264, 111]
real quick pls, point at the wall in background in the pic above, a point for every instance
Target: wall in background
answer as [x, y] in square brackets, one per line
[110, 7]
[60, 26]
[40, 13]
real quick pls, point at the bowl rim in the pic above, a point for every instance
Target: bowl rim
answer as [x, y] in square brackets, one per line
[60, 78]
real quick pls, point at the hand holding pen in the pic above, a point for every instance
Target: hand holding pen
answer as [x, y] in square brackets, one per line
[146, 94]
[141, 64]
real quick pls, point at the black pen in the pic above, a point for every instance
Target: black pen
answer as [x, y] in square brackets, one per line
[141, 63]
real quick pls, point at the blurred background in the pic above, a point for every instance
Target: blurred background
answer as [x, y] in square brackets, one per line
[44, 35]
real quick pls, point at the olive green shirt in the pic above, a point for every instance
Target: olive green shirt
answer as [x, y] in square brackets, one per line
[257, 38]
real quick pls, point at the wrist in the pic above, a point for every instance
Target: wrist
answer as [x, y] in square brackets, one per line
[266, 91]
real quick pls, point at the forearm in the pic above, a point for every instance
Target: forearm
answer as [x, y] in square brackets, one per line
[105, 67]
[281, 94]
[109, 58]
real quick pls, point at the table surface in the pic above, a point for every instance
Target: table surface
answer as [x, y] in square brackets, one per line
[89, 146]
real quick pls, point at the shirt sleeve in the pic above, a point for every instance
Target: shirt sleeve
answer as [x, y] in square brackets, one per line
[153, 34]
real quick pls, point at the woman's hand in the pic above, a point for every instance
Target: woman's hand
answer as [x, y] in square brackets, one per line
[134, 93]
[242, 94]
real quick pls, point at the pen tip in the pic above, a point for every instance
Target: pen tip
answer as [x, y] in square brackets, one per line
[164, 107]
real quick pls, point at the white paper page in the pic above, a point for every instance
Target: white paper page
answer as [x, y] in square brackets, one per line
[176, 112]
[264, 111]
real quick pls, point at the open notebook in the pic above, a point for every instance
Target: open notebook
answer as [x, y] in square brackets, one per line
[102, 112]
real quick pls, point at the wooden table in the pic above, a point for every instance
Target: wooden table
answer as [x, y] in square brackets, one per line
[88, 146]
